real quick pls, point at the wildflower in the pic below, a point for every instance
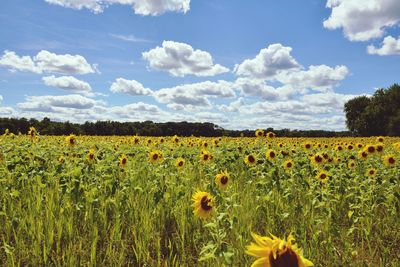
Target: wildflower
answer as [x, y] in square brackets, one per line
[271, 155]
[250, 160]
[389, 160]
[370, 172]
[259, 133]
[123, 161]
[222, 179]
[322, 176]
[203, 204]
[155, 156]
[288, 164]
[275, 252]
[71, 140]
[180, 163]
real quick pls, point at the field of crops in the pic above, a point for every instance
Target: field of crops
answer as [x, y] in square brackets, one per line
[174, 201]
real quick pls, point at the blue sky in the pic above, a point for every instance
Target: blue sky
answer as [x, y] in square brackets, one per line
[239, 64]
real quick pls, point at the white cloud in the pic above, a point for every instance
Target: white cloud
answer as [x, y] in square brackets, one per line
[50, 103]
[47, 62]
[268, 63]
[180, 59]
[14, 62]
[254, 87]
[68, 83]
[65, 64]
[233, 106]
[195, 94]
[319, 77]
[390, 46]
[363, 20]
[130, 87]
[141, 7]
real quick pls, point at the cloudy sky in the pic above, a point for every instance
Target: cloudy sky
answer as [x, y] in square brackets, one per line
[239, 64]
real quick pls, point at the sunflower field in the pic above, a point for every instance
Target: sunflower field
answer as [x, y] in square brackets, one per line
[189, 201]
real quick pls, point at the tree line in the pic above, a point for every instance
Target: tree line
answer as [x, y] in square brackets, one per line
[146, 128]
[375, 115]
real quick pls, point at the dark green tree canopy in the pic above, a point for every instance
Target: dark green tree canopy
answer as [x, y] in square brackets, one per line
[375, 115]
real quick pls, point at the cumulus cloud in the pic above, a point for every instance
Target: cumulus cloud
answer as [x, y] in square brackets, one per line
[319, 77]
[14, 62]
[68, 83]
[390, 46]
[47, 62]
[268, 63]
[254, 87]
[195, 94]
[180, 59]
[130, 87]
[363, 20]
[50, 103]
[141, 7]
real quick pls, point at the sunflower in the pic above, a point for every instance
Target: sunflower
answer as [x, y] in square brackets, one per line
[259, 133]
[275, 252]
[322, 176]
[175, 139]
[389, 160]
[61, 159]
[351, 164]
[271, 154]
[288, 164]
[203, 204]
[90, 156]
[317, 159]
[250, 160]
[271, 135]
[32, 132]
[123, 160]
[307, 145]
[379, 148]
[380, 139]
[370, 172]
[71, 140]
[222, 179]
[370, 149]
[205, 156]
[180, 163]
[155, 156]
[363, 154]
[136, 139]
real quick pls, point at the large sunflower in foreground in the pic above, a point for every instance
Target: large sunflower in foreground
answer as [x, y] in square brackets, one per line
[275, 252]
[203, 204]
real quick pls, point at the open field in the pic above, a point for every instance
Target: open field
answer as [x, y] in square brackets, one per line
[128, 201]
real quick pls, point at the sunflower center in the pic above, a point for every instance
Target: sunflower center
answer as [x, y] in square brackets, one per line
[286, 259]
[379, 148]
[371, 172]
[323, 176]
[180, 164]
[251, 159]
[71, 141]
[205, 157]
[391, 160]
[91, 156]
[224, 180]
[318, 159]
[124, 161]
[205, 203]
[289, 165]
[272, 154]
[155, 156]
[371, 149]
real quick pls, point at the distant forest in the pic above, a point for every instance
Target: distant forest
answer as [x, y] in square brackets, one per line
[146, 128]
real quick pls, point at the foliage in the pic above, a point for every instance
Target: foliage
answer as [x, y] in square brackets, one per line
[376, 115]
[146, 128]
[60, 207]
